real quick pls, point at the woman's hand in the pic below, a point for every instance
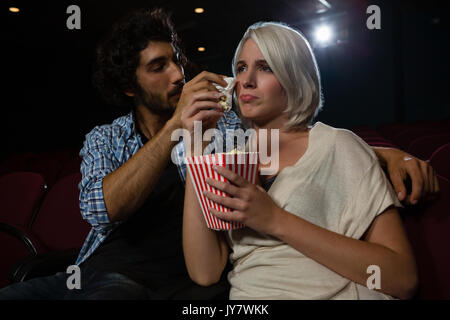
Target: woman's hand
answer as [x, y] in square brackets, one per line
[249, 204]
[401, 166]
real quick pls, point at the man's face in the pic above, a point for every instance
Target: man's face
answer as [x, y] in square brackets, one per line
[160, 78]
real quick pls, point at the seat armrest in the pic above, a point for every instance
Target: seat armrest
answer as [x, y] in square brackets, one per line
[42, 265]
[23, 235]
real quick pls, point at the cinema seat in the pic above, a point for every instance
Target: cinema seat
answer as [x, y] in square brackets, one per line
[406, 137]
[428, 229]
[390, 130]
[58, 230]
[70, 167]
[440, 160]
[424, 147]
[17, 163]
[16, 244]
[20, 196]
[59, 224]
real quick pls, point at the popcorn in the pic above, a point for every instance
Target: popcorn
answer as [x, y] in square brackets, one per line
[223, 102]
[226, 99]
[234, 151]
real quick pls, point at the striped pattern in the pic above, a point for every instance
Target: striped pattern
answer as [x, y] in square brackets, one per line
[201, 167]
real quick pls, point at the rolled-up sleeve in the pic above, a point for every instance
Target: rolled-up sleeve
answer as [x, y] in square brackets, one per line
[98, 161]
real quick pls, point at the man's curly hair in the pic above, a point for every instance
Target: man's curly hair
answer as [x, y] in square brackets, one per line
[119, 55]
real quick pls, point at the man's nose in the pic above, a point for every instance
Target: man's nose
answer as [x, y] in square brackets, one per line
[177, 73]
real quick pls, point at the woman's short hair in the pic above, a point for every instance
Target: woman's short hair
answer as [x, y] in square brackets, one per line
[292, 60]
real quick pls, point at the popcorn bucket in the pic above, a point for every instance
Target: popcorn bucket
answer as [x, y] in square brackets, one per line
[201, 167]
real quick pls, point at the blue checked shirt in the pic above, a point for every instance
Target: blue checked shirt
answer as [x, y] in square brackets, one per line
[105, 149]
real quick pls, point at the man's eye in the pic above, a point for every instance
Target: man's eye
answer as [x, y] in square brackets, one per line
[158, 68]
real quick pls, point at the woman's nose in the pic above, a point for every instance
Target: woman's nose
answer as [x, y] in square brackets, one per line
[248, 80]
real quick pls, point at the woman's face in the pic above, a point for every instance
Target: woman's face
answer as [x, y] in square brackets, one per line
[261, 97]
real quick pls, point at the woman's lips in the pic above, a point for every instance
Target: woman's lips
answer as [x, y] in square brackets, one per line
[247, 97]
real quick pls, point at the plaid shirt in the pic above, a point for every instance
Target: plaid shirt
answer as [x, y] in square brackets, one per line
[105, 149]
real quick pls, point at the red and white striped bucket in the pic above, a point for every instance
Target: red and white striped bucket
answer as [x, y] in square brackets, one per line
[201, 167]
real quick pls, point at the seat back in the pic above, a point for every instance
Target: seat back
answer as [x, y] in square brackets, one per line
[428, 230]
[390, 130]
[424, 147]
[20, 196]
[59, 224]
[17, 162]
[12, 250]
[406, 137]
[70, 167]
[440, 160]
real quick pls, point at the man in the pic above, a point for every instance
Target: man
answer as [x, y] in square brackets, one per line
[131, 193]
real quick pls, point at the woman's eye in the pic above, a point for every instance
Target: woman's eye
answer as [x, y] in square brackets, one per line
[239, 69]
[266, 68]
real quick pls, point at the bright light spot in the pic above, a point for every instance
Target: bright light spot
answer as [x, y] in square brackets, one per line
[199, 10]
[201, 49]
[14, 9]
[323, 34]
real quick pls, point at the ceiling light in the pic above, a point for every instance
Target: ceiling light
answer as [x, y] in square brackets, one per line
[323, 34]
[201, 49]
[14, 9]
[199, 10]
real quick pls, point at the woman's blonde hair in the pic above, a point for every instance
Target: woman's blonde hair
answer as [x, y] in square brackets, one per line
[292, 60]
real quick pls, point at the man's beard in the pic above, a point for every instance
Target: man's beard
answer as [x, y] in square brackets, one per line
[154, 103]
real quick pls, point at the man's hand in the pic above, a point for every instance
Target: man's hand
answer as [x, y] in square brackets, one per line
[199, 100]
[401, 167]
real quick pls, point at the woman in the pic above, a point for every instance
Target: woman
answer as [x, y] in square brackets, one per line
[326, 218]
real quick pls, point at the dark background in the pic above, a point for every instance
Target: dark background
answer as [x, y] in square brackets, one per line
[370, 77]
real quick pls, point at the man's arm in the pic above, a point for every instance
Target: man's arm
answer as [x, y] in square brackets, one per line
[127, 188]
[401, 165]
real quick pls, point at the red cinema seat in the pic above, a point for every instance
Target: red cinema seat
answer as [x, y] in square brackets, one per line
[16, 244]
[70, 167]
[406, 137]
[48, 165]
[440, 160]
[17, 163]
[59, 225]
[424, 147]
[428, 229]
[20, 196]
[12, 250]
[390, 130]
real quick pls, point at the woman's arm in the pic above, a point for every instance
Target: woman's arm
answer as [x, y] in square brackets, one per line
[385, 243]
[205, 250]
